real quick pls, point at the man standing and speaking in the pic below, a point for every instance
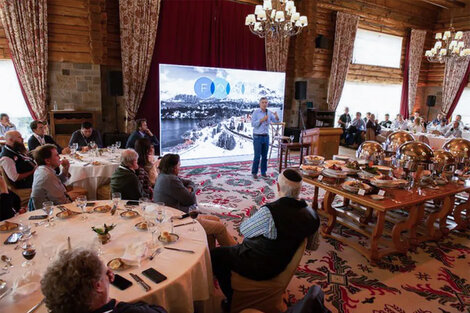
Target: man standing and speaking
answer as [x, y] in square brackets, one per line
[260, 120]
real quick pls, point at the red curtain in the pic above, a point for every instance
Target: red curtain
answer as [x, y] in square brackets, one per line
[201, 33]
[463, 84]
[404, 111]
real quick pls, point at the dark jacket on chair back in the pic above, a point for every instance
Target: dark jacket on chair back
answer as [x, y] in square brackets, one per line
[294, 222]
[23, 164]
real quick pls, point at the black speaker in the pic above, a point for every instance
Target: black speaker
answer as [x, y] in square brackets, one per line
[321, 42]
[115, 83]
[301, 90]
[431, 101]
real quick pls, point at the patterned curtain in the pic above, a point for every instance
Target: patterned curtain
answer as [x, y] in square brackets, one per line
[138, 23]
[345, 34]
[25, 24]
[416, 56]
[276, 49]
[453, 76]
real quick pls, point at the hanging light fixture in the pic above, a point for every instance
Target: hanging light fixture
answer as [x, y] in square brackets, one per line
[449, 46]
[283, 22]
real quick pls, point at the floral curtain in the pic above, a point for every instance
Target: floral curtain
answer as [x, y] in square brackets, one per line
[277, 49]
[454, 74]
[416, 56]
[345, 34]
[138, 24]
[25, 24]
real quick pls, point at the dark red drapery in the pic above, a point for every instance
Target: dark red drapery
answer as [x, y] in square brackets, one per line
[463, 84]
[404, 111]
[201, 33]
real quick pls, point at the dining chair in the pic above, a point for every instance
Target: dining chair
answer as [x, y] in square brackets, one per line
[23, 193]
[277, 132]
[265, 295]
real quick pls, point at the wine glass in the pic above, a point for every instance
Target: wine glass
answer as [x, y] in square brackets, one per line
[118, 144]
[28, 253]
[48, 207]
[72, 149]
[193, 213]
[291, 137]
[160, 212]
[80, 202]
[116, 197]
[75, 146]
[143, 204]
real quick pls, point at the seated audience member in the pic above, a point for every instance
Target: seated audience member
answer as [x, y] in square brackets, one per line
[38, 138]
[272, 236]
[415, 115]
[454, 131]
[9, 202]
[85, 135]
[442, 127]
[372, 124]
[79, 282]
[142, 131]
[146, 166]
[399, 123]
[47, 185]
[432, 126]
[355, 130]
[367, 117]
[417, 126]
[438, 118]
[387, 123]
[18, 166]
[5, 125]
[180, 194]
[458, 118]
[125, 179]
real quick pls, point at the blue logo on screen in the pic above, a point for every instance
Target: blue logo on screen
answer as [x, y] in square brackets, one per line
[205, 87]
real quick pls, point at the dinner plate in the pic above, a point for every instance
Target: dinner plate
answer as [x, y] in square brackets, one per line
[117, 264]
[334, 174]
[65, 214]
[334, 162]
[354, 186]
[377, 197]
[169, 239]
[383, 168]
[102, 209]
[129, 214]
[8, 226]
[314, 159]
[143, 226]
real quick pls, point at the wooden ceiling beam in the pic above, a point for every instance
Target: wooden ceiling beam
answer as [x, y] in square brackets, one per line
[446, 4]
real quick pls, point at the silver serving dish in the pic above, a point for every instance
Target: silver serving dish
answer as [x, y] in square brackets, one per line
[396, 139]
[413, 154]
[444, 161]
[460, 149]
[371, 151]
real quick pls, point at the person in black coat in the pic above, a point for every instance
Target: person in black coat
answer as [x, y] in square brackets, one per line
[85, 135]
[38, 138]
[142, 131]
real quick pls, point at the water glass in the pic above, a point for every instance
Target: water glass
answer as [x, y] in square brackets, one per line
[118, 144]
[116, 197]
[72, 149]
[142, 204]
[25, 230]
[48, 208]
[80, 202]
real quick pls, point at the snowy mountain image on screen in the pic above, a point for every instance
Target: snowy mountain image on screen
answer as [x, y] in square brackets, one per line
[207, 111]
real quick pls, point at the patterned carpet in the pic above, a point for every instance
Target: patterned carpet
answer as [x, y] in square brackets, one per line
[435, 278]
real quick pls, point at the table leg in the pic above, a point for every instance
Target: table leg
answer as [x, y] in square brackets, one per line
[301, 154]
[367, 216]
[378, 230]
[403, 245]
[315, 198]
[462, 223]
[441, 215]
[327, 201]
[280, 160]
[287, 158]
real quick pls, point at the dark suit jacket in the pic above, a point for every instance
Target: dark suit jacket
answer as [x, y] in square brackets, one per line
[77, 137]
[127, 183]
[33, 143]
[136, 135]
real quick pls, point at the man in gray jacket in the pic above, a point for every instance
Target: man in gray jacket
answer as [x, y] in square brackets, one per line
[47, 185]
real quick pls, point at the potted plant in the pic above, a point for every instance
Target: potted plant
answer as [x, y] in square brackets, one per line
[103, 233]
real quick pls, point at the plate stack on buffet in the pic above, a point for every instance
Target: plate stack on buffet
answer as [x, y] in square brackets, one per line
[355, 185]
[388, 182]
[311, 170]
[334, 171]
[313, 159]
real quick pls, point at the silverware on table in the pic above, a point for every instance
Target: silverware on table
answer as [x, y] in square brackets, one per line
[154, 254]
[5, 293]
[140, 281]
[190, 223]
[34, 308]
[181, 250]
[113, 210]
[86, 164]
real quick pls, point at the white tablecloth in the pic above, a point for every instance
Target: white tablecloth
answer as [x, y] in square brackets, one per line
[189, 275]
[86, 175]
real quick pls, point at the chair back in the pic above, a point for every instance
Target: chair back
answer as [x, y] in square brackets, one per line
[266, 295]
[23, 193]
[370, 134]
[277, 129]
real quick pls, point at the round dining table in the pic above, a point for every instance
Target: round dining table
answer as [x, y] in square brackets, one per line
[90, 171]
[189, 275]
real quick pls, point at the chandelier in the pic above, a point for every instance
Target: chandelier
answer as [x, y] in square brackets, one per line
[449, 46]
[282, 21]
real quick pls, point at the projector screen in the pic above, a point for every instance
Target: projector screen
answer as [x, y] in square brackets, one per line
[206, 112]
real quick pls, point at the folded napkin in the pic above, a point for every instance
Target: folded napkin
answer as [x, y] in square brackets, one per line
[134, 253]
[26, 285]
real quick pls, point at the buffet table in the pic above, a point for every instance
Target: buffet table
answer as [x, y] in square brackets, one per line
[90, 172]
[382, 241]
[189, 275]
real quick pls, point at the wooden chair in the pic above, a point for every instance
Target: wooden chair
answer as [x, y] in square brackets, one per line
[75, 191]
[103, 192]
[266, 295]
[23, 193]
[277, 131]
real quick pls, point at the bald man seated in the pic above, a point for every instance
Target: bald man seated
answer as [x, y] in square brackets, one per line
[18, 166]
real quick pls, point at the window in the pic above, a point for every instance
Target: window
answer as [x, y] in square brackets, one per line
[12, 102]
[374, 48]
[463, 107]
[378, 99]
